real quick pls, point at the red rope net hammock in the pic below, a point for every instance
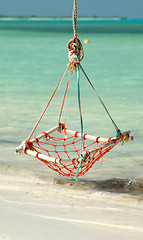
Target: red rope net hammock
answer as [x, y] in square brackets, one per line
[68, 152]
[62, 153]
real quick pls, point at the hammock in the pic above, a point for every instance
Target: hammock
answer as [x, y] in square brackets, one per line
[69, 152]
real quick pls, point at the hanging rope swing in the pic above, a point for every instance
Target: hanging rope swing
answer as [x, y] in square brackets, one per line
[71, 153]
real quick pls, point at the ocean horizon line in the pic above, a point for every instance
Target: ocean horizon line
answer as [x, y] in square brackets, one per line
[35, 18]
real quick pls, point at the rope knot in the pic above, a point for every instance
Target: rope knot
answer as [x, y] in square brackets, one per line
[76, 53]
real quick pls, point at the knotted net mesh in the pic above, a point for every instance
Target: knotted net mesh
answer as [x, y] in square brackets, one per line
[62, 153]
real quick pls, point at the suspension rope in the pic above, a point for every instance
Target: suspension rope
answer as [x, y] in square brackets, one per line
[36, 125]
[75, 47]
[113, 122]
[81, 123]
[74, 17]
[66, 92]
[66, 107]
[79, 105]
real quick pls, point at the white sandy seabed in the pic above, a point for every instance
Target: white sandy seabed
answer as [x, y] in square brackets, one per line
[34, 210]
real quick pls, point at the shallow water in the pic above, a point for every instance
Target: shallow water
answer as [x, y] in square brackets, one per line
[34, 58]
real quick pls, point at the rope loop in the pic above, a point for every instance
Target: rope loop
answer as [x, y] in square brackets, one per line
[29, 144]
[76, 53]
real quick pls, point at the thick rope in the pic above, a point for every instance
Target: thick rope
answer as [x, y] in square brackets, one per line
[74, 17]
[75, 47]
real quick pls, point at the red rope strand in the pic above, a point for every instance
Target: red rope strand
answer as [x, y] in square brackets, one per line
[64, 97]
[31, 134]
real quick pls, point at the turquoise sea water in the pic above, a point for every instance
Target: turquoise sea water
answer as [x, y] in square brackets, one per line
[33, 59]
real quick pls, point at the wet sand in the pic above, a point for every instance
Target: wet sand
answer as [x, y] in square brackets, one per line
[35, 210]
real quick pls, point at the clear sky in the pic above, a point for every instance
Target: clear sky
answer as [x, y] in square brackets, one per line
[122, 8]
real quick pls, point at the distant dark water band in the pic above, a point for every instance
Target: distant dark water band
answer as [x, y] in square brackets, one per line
[123, 26]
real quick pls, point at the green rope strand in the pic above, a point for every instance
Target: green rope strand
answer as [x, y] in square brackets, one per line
[82, 159]
[81, 122]
[114, 124]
